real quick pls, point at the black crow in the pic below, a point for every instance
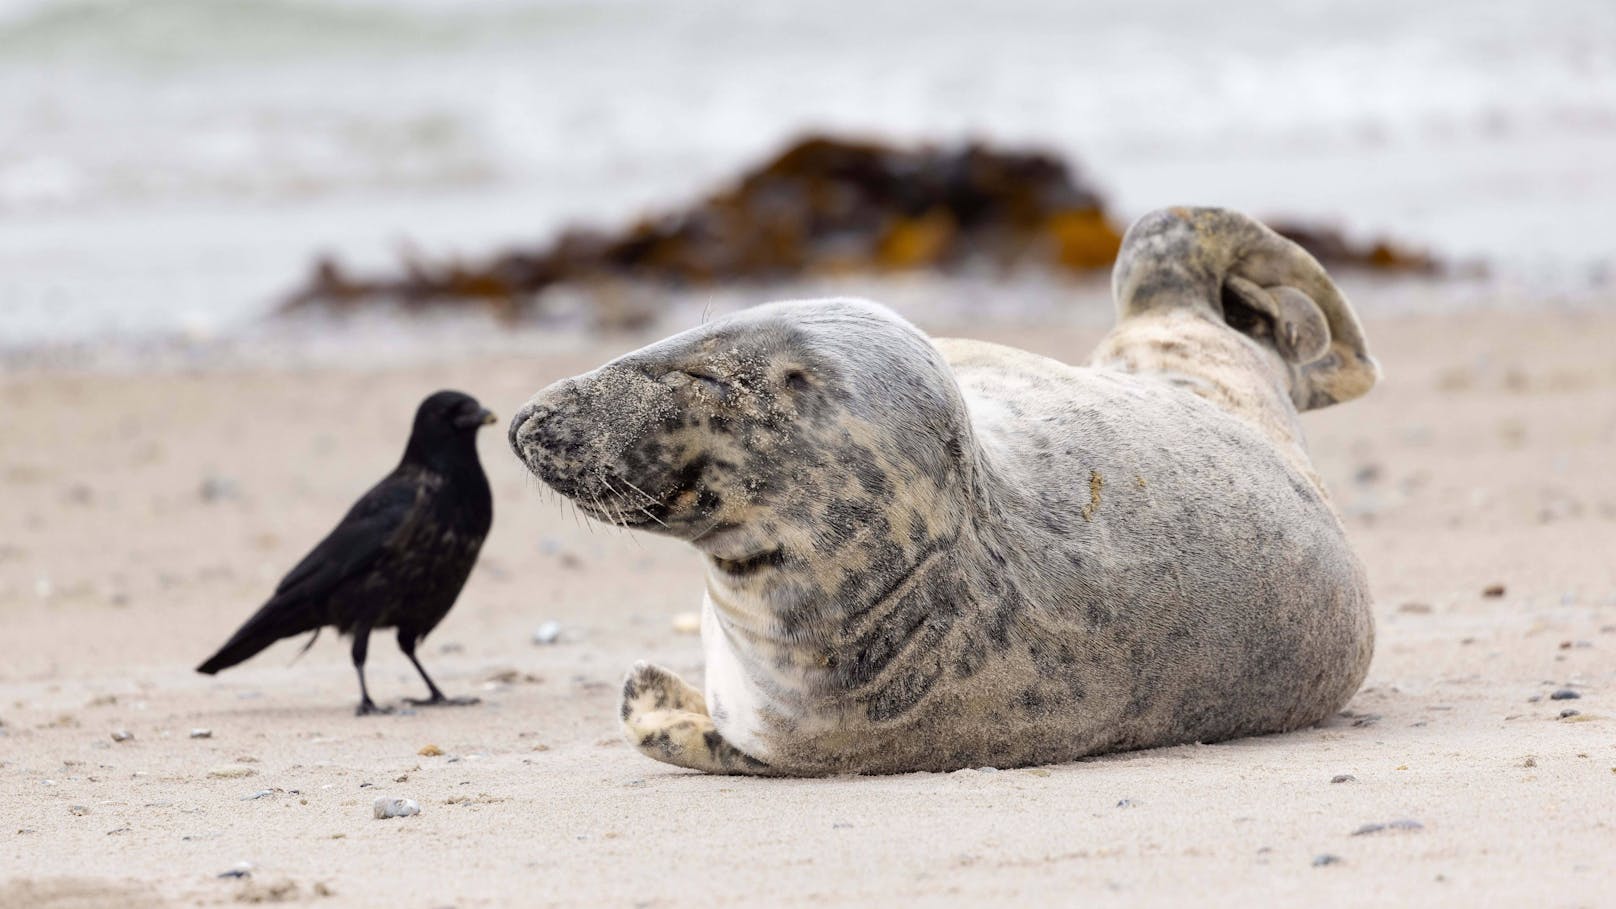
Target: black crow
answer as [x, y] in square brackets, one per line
[398, 558]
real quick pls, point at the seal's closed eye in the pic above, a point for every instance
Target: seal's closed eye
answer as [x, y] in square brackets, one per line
[714, 385]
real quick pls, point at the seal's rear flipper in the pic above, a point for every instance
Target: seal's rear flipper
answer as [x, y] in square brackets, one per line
[1230, 268]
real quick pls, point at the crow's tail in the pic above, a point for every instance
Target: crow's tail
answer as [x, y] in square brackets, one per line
[277, 619]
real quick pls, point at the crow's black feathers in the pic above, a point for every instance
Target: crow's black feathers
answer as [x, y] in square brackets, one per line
[398, 558]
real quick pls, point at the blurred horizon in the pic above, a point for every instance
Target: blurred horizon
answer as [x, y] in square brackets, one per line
[175, 165]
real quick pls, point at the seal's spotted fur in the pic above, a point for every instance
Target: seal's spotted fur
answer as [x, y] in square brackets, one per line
[930, 555]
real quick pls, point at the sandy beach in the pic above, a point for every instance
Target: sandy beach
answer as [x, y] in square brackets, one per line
[146, 514]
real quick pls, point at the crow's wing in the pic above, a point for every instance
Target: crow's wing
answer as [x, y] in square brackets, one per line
[378, 521]
[370, 528]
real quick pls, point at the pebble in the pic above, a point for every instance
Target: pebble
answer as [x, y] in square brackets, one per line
[430, 751]
[1127, 803]
[79, 810]
[201, 733]
[1404, 824]
[1564, 694]
[547, 633]
[122, 735]
[237, 871]
[1494, 591]
[262, 793]
[1343, 778]
[687, 623]
[216, 488]
[386, 807]
[1568, 713]
[1319, 861]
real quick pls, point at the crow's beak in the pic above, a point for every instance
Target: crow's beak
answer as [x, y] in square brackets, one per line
[487, 418]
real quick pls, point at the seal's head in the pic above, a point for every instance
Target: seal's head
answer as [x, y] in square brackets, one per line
[774, 439]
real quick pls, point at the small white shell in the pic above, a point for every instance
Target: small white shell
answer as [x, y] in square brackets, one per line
[548, 633]
[387, 806]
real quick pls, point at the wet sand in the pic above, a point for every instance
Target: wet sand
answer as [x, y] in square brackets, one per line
[146, 515]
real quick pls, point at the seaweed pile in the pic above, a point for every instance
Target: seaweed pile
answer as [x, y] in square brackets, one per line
[1334, 250]
[823, 206]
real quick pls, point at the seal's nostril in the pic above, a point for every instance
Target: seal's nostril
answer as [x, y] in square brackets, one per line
[526, 422]
[515, 432]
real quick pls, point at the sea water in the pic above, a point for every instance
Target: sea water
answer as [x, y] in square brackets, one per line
[173, 166]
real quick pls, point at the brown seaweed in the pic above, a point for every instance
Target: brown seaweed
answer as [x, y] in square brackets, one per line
[1334, 249]
[822, 206]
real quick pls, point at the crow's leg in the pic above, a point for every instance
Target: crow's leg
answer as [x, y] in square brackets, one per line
[361, 644]
[406, 643]
[666, 719]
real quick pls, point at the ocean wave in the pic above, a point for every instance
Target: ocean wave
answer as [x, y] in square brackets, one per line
[1475, 133]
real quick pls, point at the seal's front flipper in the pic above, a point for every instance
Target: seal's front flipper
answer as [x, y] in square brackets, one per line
[667, 719]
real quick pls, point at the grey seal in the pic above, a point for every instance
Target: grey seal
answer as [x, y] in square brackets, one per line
[924, 555]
